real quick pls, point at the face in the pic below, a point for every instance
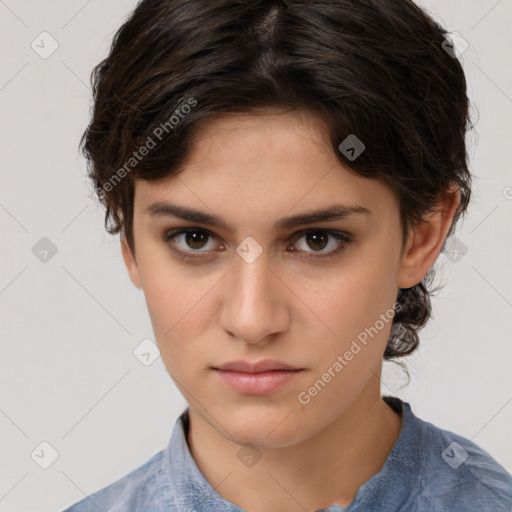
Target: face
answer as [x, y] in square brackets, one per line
[256, 288]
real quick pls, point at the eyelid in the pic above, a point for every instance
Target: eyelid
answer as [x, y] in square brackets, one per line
[341, 236]
[173, 233]
[344, 238]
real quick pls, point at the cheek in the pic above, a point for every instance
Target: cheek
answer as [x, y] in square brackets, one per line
[178, 309]
[359, 310]
[352, 306]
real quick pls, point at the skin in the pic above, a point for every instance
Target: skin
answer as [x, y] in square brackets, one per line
[253, 170]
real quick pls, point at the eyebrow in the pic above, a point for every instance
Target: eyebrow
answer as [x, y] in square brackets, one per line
[334, 212]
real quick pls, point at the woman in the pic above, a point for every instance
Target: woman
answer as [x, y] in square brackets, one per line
[283, 175]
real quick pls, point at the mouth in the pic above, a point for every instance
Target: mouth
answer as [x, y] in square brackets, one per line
[264, 365]
[261, 378]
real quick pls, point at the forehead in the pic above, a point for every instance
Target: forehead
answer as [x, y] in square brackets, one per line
[266, 163]
[247, 142]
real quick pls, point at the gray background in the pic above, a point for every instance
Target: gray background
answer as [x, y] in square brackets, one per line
[69, 325]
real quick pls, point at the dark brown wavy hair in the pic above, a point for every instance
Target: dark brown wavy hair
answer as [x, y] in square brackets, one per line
[373, 68]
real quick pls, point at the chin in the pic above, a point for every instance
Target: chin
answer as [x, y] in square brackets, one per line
[274, 429]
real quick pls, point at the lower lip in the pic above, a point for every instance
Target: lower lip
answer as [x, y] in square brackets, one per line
[257, 383]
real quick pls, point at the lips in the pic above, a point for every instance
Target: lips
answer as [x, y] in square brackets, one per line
[265, 365]
[260, 378]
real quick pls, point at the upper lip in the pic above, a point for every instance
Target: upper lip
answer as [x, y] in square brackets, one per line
[264, 365]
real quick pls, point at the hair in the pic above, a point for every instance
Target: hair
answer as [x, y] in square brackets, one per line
[370, 68]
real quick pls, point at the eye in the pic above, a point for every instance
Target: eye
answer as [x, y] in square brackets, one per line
[190, 238]
[319, 239]
[186, 241]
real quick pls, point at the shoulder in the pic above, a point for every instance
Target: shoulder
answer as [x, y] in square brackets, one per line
[145, 487]
[457, 474]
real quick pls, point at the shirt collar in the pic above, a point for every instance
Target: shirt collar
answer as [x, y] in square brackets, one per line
[191, 490]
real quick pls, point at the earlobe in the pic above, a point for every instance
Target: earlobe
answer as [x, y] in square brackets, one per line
[131, 263]
[426, 240]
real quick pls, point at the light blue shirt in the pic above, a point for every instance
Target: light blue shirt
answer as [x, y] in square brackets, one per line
[427, 470]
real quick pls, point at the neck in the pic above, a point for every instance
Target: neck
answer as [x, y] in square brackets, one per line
[326, 468]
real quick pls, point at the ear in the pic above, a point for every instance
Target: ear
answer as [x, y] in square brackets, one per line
[131, 263]
[426, 240]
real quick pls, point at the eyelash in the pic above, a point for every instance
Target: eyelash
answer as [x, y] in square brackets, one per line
[344, 239]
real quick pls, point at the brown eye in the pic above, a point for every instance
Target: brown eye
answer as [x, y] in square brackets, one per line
[317, 240]
[320, 239]
[196, 239]
[188, 240]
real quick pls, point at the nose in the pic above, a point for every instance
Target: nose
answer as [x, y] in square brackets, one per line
[255, 301]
